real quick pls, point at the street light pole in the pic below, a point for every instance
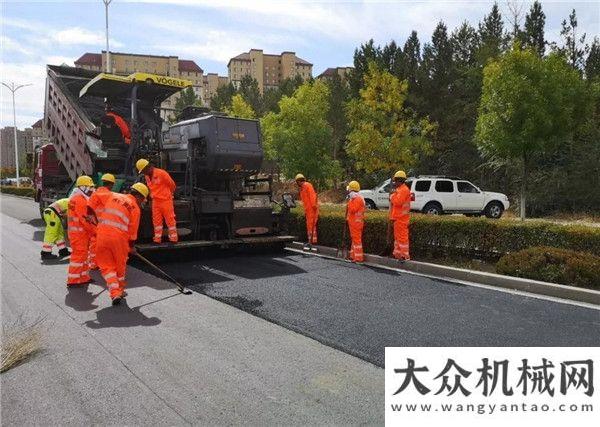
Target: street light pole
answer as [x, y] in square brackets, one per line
[108, 64]
[13, 88]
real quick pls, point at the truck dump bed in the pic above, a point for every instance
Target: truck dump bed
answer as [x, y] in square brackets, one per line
[69, 118]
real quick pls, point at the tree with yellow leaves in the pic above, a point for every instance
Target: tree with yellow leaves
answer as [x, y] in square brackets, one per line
[240, 108]
[385, 136]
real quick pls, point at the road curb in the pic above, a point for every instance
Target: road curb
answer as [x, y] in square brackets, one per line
[452, 273]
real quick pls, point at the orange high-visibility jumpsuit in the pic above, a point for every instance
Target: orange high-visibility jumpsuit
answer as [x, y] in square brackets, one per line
[356, 221]
[122, 125]
[400, 215]
[96, 202]
[80, 231]
[308, 196]
[161, 187]
[117, 230]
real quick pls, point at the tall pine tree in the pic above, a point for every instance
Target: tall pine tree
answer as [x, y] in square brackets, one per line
[491, 34]
[534, 29]
[592, 64]
[574, 47]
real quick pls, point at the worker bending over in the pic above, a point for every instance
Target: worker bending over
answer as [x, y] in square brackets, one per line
[400, 215]
[119, 121]
[162, 188]
[55, 233]
[311, 207]
[355, 217]
[80, 228]
[96, 203]
[117, 232]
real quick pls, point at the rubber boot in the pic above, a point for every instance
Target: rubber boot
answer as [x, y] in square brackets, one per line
[48, 255]
[64, 252]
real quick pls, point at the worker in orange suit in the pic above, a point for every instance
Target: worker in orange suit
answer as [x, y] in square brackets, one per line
[80, 229]
[120, 123]
[96, 203]
[308, 196]
[355, 217]
[161, 187]
[400, 215]
[117, 232]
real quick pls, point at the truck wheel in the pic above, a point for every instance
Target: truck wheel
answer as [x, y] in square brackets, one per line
[370, 204]
[494, 210]
[433, 208]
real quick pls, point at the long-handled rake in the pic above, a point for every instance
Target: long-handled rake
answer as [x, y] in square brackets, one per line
[181, 288]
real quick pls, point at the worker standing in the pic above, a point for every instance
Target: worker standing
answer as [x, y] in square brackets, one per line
[355, 218]
[80, 230]
[161, 187]
[96, 203]
[400, 215]
[55, 233]
[117, 232]
[308, 196]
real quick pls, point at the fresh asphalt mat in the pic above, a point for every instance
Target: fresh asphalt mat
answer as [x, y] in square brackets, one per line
[361, 310]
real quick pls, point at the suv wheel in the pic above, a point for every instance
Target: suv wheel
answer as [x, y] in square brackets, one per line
[370, 204]
[494, 210]
[433, 208]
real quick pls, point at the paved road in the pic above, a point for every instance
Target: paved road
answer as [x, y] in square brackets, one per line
[164, 358]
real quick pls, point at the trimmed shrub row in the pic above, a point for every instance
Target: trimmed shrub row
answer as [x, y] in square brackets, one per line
[19, 191]
[448, 235]
[553, 265]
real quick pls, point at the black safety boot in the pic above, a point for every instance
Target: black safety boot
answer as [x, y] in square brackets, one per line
[64, 252]
[48, 255]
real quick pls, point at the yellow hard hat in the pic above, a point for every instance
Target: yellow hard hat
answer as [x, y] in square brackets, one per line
[140, 188]
[353, 186]
[299, 177]
[84, 181]
[141, 164]
[400, 174]
[108, 177]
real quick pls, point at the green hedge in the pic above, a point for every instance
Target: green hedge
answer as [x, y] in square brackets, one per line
[553, 265]
[455, 234]
[19, 191]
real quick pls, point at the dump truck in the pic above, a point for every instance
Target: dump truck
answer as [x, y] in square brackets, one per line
[222, 198]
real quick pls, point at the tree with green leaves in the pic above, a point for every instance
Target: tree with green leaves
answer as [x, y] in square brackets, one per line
[465, 43]
[186, 98]
[222, 98]
[574, 48]
[339, 95]
[491, 34]
[287, 87]
[592, 63]
[298, 137]
[251, 94]
[364, 55]
[529, 105]
[240, 108]
[384, 135]
[535, 22]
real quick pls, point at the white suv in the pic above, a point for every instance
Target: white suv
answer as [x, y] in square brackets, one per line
[439, 195]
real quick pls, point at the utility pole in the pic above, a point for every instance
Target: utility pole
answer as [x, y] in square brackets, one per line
[108, 63]
[13, 88]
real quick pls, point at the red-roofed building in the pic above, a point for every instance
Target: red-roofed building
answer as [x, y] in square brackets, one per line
[268, 70]
[330, 72]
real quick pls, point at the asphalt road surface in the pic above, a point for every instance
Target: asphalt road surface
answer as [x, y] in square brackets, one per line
[198, 360]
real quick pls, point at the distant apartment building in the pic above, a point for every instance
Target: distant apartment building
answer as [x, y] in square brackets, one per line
[38, 135]
[127, 63]
[7, 146]
[211, 82]
[268, 70]
[330, 72]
